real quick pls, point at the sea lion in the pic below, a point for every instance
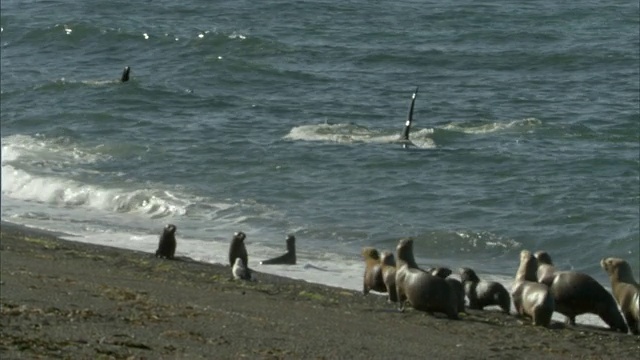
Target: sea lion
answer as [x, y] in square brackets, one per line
[289, 258]
[424, 291]
[484, 293]
[576, 293]
[388, 265]
[372, 271]
[167, 242]
[531, 298]
[239, 271]
[625, 289]
[454, 284]
[457, 290]
[407, 125]
[442, 272]
[125, 74]
[238, 250]
[546, 270]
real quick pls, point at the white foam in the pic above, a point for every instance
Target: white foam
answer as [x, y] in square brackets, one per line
[40, 151]
[492, 127]
[350, 134]
[59, 191]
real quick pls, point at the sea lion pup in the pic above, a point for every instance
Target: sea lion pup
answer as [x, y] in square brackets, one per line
[484, 293]
[625, 290]
[388, 265]
[239, 271]
[167, 242]
[372, 271]
[576, 293]
[125, 74]
[546, 270]
[424, 291]
[531, 298]
[289, 258]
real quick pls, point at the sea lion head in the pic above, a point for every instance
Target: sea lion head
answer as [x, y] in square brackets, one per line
[370, 253]
[386, 258]
[467, 274]
[404, 249]
[239, 236]
[291, 240]
[543, 257]
[617, 269]
[170, 229]
[528, 267]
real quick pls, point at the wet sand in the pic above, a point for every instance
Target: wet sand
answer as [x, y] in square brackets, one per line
[65, 299]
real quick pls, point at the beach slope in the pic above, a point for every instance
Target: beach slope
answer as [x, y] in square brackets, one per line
[65, 299]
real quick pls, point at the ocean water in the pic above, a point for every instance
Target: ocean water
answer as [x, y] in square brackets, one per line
[285, 117]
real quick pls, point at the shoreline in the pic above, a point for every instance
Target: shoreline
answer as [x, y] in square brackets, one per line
[76, 300]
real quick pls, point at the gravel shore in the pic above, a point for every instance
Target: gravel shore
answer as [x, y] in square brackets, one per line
[71, 300]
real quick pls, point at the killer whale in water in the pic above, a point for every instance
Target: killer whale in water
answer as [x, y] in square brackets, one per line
[125, 74]
[407, 125]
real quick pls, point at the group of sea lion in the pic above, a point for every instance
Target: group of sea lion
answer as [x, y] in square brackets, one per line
[238, 256]
[431, 290]
[537, 291]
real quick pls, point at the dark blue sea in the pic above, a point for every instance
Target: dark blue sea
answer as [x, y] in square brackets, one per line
[279, 117]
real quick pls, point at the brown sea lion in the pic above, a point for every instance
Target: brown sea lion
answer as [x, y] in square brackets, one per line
[289, 258]
[576, 293]
[484, 293]
[625, 289]
[372, 271]
[167, 242]
[424, 291]
[546, 270]
[531, 298]
[388, 264]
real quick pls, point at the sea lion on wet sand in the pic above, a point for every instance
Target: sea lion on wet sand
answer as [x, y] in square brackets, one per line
[239, 271]
[484, 293]
[424, 291]
[625, 289]
[167, 242]
[388, 264]
[125, 74]
[372, 271]
[458, 292]
[238, 250]
[289, 258]
[530, 298]
[454, 284]
[576, 293]
[546, 270]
